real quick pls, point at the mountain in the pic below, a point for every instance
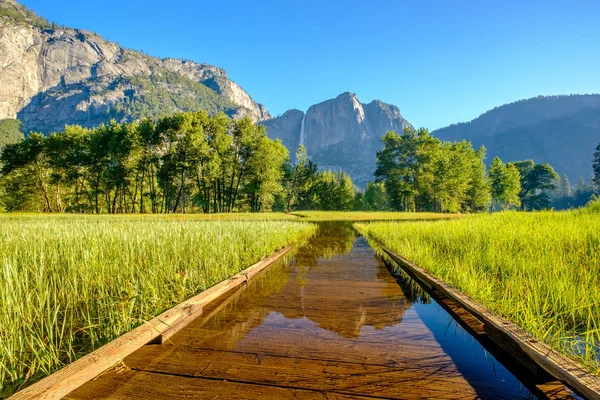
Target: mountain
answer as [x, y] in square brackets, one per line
[340, 133]
[559, 130]
[51, 76]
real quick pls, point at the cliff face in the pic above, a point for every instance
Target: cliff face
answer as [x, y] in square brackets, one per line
[52, 76]
[340, 133]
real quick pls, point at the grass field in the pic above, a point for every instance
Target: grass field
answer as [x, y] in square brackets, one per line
[370, 216]
[540, 270]
[69, 284]
[154, 217]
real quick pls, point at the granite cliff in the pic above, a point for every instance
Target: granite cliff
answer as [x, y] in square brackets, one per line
[51, 76]
[340, 133]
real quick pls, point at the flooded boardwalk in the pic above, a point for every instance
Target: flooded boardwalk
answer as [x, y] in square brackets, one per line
[328, 322]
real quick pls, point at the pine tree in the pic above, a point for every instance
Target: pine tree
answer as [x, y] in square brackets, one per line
[564, 186]
[596, 167]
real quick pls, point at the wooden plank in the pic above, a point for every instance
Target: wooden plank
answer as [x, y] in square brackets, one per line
[88, 367]
[340, 350]
[390, 381]
[129, 384]
[556, 364]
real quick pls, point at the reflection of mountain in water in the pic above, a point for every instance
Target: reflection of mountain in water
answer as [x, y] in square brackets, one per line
[343, 294]
[333, 283]
[333, 239]
[333, 320]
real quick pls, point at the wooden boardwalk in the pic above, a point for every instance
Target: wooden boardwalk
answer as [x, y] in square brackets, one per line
[317, 327]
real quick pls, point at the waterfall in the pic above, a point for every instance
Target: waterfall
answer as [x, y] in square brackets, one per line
[302, 134]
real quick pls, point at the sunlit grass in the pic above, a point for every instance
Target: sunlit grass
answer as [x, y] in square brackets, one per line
[370, 215]
[70, 284]
[155, 217]
[540, 270]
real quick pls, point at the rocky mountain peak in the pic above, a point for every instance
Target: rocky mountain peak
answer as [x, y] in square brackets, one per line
[340, 133]
[52, 76]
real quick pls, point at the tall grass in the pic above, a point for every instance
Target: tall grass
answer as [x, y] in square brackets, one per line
[540, 270]
[370, 215]
[70, 284]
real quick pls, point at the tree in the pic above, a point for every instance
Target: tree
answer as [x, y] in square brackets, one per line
[564, 186]
[335, 191]
[375, 197]
[180, 162]
[596, 168]
[266, 174]
[505, 184]
[10, 132]
[396, 167]
[479, 197]
[302, 185]
[536, 181]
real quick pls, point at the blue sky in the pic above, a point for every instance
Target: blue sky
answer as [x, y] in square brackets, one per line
[440, 62]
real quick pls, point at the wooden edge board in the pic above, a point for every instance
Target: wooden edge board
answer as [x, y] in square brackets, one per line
[555, 363]
[72, 376]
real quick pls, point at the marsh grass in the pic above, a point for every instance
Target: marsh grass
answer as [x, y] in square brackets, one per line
[70, 284]
[370, 215]
[540, 270]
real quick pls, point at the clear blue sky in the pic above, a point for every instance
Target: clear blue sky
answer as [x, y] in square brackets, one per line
[440, 62]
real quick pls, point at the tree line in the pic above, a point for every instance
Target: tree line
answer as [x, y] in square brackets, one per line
[187, 162]
[418, 172]
[193, 162]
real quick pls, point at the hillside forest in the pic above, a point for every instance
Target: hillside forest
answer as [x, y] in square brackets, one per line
[192, 162]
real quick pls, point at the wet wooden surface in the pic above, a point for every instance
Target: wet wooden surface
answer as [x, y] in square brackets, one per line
[332, 323]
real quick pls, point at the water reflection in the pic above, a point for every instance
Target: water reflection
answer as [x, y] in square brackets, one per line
[335, 307]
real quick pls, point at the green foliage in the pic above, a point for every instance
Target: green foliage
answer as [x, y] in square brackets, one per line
[540, 270]
[70, 284]
[302, 183]
[375, 197]
[422, 173]
[567, 196]
[536, 181]
[160, 94]
[184, 162]
[10, 132]
[596, 167]
[22, 15]
[335, 191]
[505, 183]
[309, 189]
[179, 163]
[555, 129]
[593, 206]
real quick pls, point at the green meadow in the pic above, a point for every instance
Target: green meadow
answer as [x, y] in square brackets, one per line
[541, 270]
[69, 284]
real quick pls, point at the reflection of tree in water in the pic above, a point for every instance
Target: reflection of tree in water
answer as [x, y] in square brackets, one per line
[341, 294]
[337, 294]
[332, 239]
[246, 309]
[414, 292]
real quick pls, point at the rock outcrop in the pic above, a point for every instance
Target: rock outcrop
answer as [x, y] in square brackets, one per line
[50, 76]
[340, 133]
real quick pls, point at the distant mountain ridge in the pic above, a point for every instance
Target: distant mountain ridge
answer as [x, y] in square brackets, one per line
[560, 130]
[51, 76]
[339, 134]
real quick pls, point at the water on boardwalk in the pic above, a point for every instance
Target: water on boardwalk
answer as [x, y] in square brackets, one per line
[329, 321]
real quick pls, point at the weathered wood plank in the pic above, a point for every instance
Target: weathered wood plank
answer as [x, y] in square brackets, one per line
[143, 385]
[86, 368]
[556, 364]
[398, 381]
